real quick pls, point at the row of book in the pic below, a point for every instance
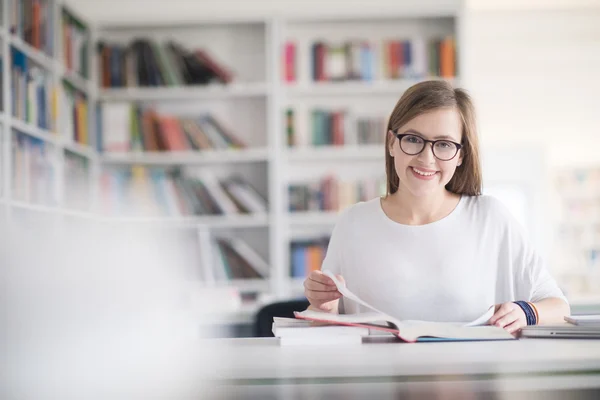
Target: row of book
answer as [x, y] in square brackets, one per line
[32, 92]
[33, 171]
[333, 194]
[38, 101]
[334, 128]
[307, 256]
[33, 21]
[74, 111]
[142, 191]
[75, 36]
[226, 258]
[145, 62]
[365, 60]
[130, 127]
[77, 182]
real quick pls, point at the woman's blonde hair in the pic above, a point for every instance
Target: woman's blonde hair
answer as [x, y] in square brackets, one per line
[428, 96]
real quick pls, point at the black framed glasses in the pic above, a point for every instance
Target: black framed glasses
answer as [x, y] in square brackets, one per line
[443, 150]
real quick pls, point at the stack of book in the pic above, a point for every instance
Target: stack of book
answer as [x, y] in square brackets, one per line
[334, 128]
[145, 62]
[226, 258]
[130, 127]
[158, 192]
[333, 194]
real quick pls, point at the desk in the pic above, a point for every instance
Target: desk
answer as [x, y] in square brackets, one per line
[251, 368]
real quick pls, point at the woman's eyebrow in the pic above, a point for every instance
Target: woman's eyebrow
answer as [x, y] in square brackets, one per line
[444, 137]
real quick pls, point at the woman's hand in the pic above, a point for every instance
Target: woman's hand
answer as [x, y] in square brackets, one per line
[321, 292]
[509, 316]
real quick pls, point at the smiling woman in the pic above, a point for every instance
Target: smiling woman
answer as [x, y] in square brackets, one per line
[434, 248]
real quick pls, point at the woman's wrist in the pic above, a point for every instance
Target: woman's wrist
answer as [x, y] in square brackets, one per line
[529, 310]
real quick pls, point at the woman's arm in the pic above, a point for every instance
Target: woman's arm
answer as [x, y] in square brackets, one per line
[552, 310]
[511, 316]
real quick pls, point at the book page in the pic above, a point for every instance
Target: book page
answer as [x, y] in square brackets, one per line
[341, 287]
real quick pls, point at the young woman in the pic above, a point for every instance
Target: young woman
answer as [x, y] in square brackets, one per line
[434, 248]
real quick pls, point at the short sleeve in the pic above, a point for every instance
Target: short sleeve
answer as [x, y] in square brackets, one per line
[532, 280]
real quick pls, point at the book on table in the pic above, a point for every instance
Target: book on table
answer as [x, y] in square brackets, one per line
[407, 330]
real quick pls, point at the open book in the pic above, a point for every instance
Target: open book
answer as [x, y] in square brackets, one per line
[409, 331]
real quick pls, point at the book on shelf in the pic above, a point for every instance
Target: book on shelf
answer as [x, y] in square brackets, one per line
[361, 60]
[333, 128]
[77, 181]
[289, 61]
[33, 172]
[147, 63]
[142, 191]
[332, 193]
[32, 92]
[225, 258]
[33, 22]
[131, 127]
[75, 42]
[74, 114]
[307, 256]
[407, 330]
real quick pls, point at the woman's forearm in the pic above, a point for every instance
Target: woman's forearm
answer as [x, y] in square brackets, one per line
[552, 310]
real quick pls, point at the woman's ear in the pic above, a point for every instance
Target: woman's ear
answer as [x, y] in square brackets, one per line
[460, 159]
[391, 141]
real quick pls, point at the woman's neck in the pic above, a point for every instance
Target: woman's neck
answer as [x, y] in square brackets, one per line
[407, 209]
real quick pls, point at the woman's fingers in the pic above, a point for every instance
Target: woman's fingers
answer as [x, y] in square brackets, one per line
[513, 327]
[318, 286]
[322, 297]
[507, 319]
[319, 277]
[501, 311]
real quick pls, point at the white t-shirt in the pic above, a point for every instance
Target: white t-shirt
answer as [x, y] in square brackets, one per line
[453, 269]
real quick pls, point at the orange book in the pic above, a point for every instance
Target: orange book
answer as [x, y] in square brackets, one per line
[35, 25]
[314, 258]
[447, 58]
[67, 45]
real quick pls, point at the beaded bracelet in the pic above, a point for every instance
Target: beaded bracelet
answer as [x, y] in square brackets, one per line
[528, 310]
[537, 314]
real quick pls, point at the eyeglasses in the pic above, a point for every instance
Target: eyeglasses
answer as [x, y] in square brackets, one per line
[444, 150]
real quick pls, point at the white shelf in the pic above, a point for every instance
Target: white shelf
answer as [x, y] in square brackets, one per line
[313, 218]
[391, 87]
[34, 131]
[77, 81]
[80, 149]
[209, 92]
[188, 157]
[48, 209]
[333, 153]
[211, 221]
[38, 56]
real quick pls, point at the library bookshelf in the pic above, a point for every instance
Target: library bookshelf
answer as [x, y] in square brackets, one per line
[308, 97]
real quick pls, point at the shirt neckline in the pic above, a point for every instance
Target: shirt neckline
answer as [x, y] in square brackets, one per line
[440, 221]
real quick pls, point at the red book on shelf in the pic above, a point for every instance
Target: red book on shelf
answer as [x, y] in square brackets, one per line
[225, 75]
[172, 134]
[290, 62]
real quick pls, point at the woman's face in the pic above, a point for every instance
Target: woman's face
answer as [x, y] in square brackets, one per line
[423, 174]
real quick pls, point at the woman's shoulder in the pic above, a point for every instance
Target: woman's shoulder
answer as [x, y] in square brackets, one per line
[486, 208]
[363, 210]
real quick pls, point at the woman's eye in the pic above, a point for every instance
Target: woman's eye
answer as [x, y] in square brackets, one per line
[413, 139]
[444, 145]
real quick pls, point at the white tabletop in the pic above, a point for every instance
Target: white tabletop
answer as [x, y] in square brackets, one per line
[264, 358]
